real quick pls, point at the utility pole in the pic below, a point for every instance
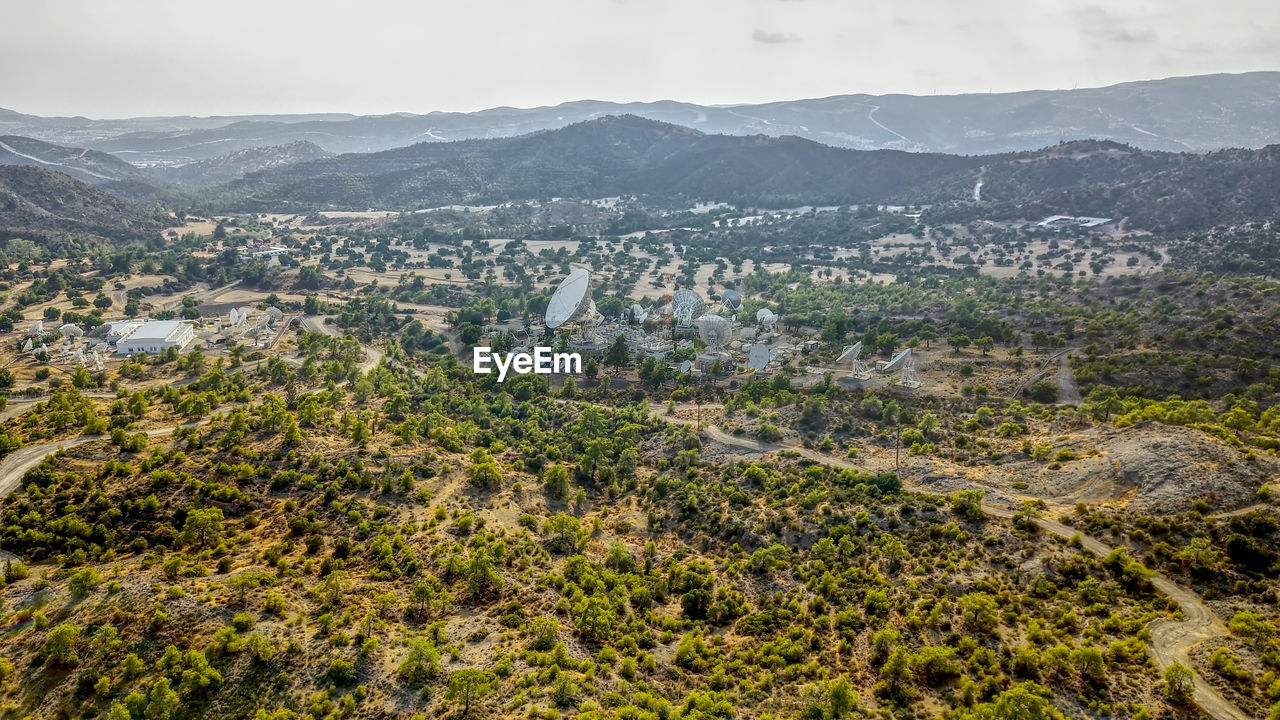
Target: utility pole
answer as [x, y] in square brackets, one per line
[897, 445]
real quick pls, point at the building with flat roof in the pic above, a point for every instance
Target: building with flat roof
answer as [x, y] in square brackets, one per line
[135, 337]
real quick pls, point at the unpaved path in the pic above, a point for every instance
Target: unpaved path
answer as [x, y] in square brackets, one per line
[1171, 640]
[316, 323]
[1068, 390]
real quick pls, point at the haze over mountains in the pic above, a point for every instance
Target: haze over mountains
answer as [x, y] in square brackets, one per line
[1151, 179]
[1177, 114]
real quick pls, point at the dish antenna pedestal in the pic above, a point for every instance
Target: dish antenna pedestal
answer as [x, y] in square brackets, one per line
[910, 377]
[859, 370]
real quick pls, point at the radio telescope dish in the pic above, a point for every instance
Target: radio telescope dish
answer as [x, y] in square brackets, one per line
[897, 362]
[716, 331]
[686, 366]
[571, 301]
[851, 351]
[732, 300]
[853, 354]
[274, 313]
[71, 331]
[638, 313]
[37, 328]
[758, 357]
[686, 305]
[766, 317]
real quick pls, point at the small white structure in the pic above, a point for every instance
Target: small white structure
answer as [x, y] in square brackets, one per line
[153, 336]
[258, 252]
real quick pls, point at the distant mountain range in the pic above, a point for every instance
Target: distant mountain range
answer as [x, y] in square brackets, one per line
[628, 155]
[1177, 114]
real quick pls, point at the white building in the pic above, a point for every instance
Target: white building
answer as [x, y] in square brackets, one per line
[259, 252]
[135, 337]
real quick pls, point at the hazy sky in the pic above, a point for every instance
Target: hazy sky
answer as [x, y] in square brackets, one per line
[114, 58]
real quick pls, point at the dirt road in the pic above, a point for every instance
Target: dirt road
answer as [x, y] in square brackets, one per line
[1171, 640]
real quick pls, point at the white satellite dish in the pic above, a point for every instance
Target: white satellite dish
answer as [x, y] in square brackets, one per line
[638, 313]
[70, 331]
[715, 331]
[243, 315]
[758, 357]
[898, 361]
[572, 300]
[850, 352]
[686, 366]
[858, 367]
[37, 328]
[686, 305]
[274, 314]
[26, 346]
[766, 317]
[732, 300]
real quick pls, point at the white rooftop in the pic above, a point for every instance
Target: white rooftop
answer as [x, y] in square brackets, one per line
[154, 330]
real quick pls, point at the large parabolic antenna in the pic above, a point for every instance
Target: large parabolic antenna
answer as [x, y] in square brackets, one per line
[732, 300]
[686, 305]
[716, 331]
[897, 362]
[572, 302]
[766, 317]
[853, 355]
[758, 357]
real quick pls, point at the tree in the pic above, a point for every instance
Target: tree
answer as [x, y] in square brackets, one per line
[958, 340]
[985, 344]
[1179, 684]
[421, 664]
[556, 480]
[469, 685]
[564, 532]
[202, 525]
[60, 644]
[979, 611]
[619, 354]
[162, 701]
[484, 475]
[842, 697]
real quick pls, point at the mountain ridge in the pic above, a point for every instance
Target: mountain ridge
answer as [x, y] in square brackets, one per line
[1196, 113]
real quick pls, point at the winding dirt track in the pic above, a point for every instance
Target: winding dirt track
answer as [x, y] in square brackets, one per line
[1171, 640]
